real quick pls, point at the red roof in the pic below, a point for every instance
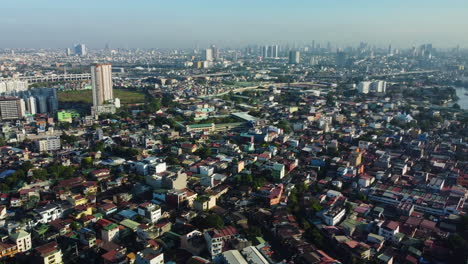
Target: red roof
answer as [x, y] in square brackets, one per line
[228, 231]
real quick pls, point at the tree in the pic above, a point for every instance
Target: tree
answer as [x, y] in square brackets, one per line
[283, 124]
[203, 152]
[86, 162]
[215, 221]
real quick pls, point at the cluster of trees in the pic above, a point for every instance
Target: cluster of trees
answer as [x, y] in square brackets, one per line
[248, 179]
[210, 221]
[203, 152]
[296, 206]
[283, 124]
[458, 242]
[53, 172]
[124, 152]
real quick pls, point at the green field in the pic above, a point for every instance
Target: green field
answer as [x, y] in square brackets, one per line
[86, 97]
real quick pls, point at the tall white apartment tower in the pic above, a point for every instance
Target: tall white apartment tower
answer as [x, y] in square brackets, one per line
[101, 77]
[209, 54]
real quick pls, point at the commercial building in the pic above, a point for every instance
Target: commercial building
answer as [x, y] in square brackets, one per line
[294, 57]
[209, 54]
[80, 50]
[12, 108]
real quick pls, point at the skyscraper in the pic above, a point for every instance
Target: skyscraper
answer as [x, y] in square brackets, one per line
[294, 57]
[340, 58]
[80, 50]
[264, 51]
[101, 77]
[274, 51]
[215, 52]
[209, 54]
[68, 52]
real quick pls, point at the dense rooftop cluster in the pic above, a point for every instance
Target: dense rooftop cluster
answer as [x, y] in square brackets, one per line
[252, 160]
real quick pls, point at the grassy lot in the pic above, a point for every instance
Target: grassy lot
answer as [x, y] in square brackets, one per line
[86, 96]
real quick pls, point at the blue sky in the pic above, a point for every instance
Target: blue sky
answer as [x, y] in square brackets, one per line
[187, 23]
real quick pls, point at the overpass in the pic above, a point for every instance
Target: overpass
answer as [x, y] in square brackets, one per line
[52, 78]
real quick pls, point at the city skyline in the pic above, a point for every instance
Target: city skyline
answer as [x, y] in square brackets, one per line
[156, 24]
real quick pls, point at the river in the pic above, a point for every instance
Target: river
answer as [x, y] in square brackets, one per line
[462, 94]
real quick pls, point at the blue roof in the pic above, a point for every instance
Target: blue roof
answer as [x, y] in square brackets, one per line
[6, 173]
[127, 214]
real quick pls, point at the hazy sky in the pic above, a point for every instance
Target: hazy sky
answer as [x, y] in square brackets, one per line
[187, 23]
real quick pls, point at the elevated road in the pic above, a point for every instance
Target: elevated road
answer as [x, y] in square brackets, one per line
[52, 78]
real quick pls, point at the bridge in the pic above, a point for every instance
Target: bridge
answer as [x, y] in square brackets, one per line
[52, 78]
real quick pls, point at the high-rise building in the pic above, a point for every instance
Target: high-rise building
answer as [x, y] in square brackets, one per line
[68, 52]
[264, 51]
[378, 87]
[13, 86]
[101, 78]
[42, 104]
[274, 51]
[31, 106]
[215, 52]
[209, 54]
[294, 57]
[364, 87]
[80, 50]
[11, 108]
[340, 58]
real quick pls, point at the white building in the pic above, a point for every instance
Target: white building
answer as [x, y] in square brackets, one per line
[389, 229]
[7, 87]
[206, 170]
[110, 233]
[209, 54]
[101, 78]
[31, 105]
[48, 213]
[51, 143]
[149, 256]
[364, 87]
[150, 211]
[22, 240]
[334, 216]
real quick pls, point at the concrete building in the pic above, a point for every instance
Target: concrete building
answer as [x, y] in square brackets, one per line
[209, 54]
[50, 253]
[12, 108]
[110, 233]
[48, 144]
[101, 78]
[22, 240]
[150, 212]
[11, 86]
[294, 57]
[364, 87]
[274, 51]
[80, 50]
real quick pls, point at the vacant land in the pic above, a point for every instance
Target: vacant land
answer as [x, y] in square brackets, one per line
[86, 96]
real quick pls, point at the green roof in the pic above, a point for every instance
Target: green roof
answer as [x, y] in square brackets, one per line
[130, 224]
[98, 216]
[111, 226]
[200, 125]
[260, 240]
[18, 235]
